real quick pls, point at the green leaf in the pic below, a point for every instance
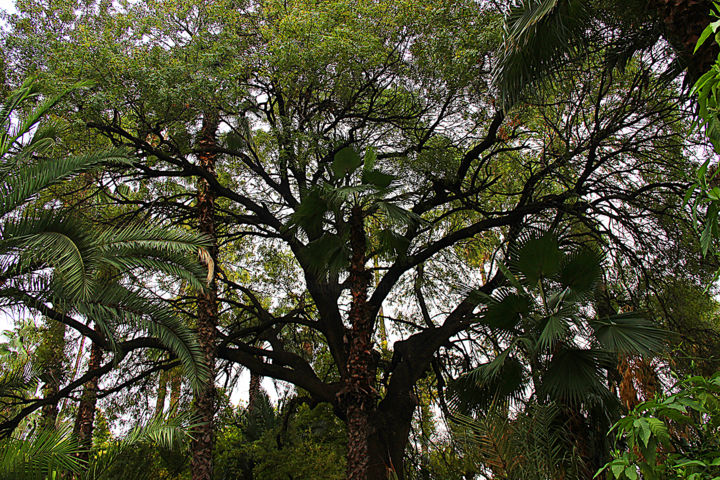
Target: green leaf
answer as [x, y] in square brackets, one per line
[581, 270]
[556, 328]
[660, 430]
[377, 178]
[346, 161]
[643, 428]
[617, 469]
[370, 159]
[631, 472]
[506, 312]
[629, 333]
[537, 257]
[709, 30]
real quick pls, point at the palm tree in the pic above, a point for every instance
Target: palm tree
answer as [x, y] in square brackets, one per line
[542, 34]
[69, 270]
[551, 347]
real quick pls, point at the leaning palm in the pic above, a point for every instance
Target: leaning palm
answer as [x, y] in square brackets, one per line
[58, 264]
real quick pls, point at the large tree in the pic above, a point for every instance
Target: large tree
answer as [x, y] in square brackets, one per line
[360, 147]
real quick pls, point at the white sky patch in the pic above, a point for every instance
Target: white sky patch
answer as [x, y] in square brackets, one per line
[8, 5]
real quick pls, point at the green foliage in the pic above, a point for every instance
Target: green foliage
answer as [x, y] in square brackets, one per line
[41, 456]
[532, 445]
[52, 259]
[267, 445]
[704, 191]
[671, 437]
[551, 338]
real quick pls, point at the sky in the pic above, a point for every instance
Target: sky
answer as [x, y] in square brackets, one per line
[8, 5]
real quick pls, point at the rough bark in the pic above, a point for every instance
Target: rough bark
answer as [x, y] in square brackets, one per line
[683, 22]
[253, 391]
[86, 410]
[162, 394]
[207, 309]
[358, 396]
[52, 359]
[175, 387]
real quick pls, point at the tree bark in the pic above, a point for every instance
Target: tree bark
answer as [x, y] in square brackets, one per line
[358, 396]
[253, 391]
[86, 410]
[684, 21]
[162, 394]
[207, 309]
[52, 361]
[175, 387]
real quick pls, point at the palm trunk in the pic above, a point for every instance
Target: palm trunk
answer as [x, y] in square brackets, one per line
[207, 309]
[175, 388]
[254, 392]
[86, 410]
[358, 395]
[53, 359]
[684, 21]
[162, 394]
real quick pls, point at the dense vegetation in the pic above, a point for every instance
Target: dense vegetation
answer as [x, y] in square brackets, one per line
[462, 240]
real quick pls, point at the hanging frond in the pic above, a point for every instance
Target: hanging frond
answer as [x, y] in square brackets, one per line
[631, 334]
[539, 35]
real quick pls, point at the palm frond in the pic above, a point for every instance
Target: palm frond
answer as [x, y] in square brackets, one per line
[539, 33]
[24, 183]
[42, 456]
[52, 239]
[167, 432]
[573, 377]
[117, 305]
[630, 333]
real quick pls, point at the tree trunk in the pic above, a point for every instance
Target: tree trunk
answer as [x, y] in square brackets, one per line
[175, 387]
[207, 313]
[389, 437]
[684, 21]
[162, 394]
[253, 391]
[52, 360]
[358, 395]
[86, 410]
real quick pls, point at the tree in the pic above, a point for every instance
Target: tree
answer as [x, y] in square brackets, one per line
[56, 264]
[298, 87]
[551, 346]
[541, 35]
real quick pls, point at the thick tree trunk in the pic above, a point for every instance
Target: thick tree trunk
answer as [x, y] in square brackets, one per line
[388, 439]
[358, 395]
[86, 410]
[207, 314]
[684, 21]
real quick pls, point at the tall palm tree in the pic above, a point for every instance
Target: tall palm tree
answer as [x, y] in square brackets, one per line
[62, 266]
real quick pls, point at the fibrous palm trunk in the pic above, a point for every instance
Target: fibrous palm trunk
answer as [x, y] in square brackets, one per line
[86, 410]
[358, 395]
[52, 360]
[207, 308]
[254, 392]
